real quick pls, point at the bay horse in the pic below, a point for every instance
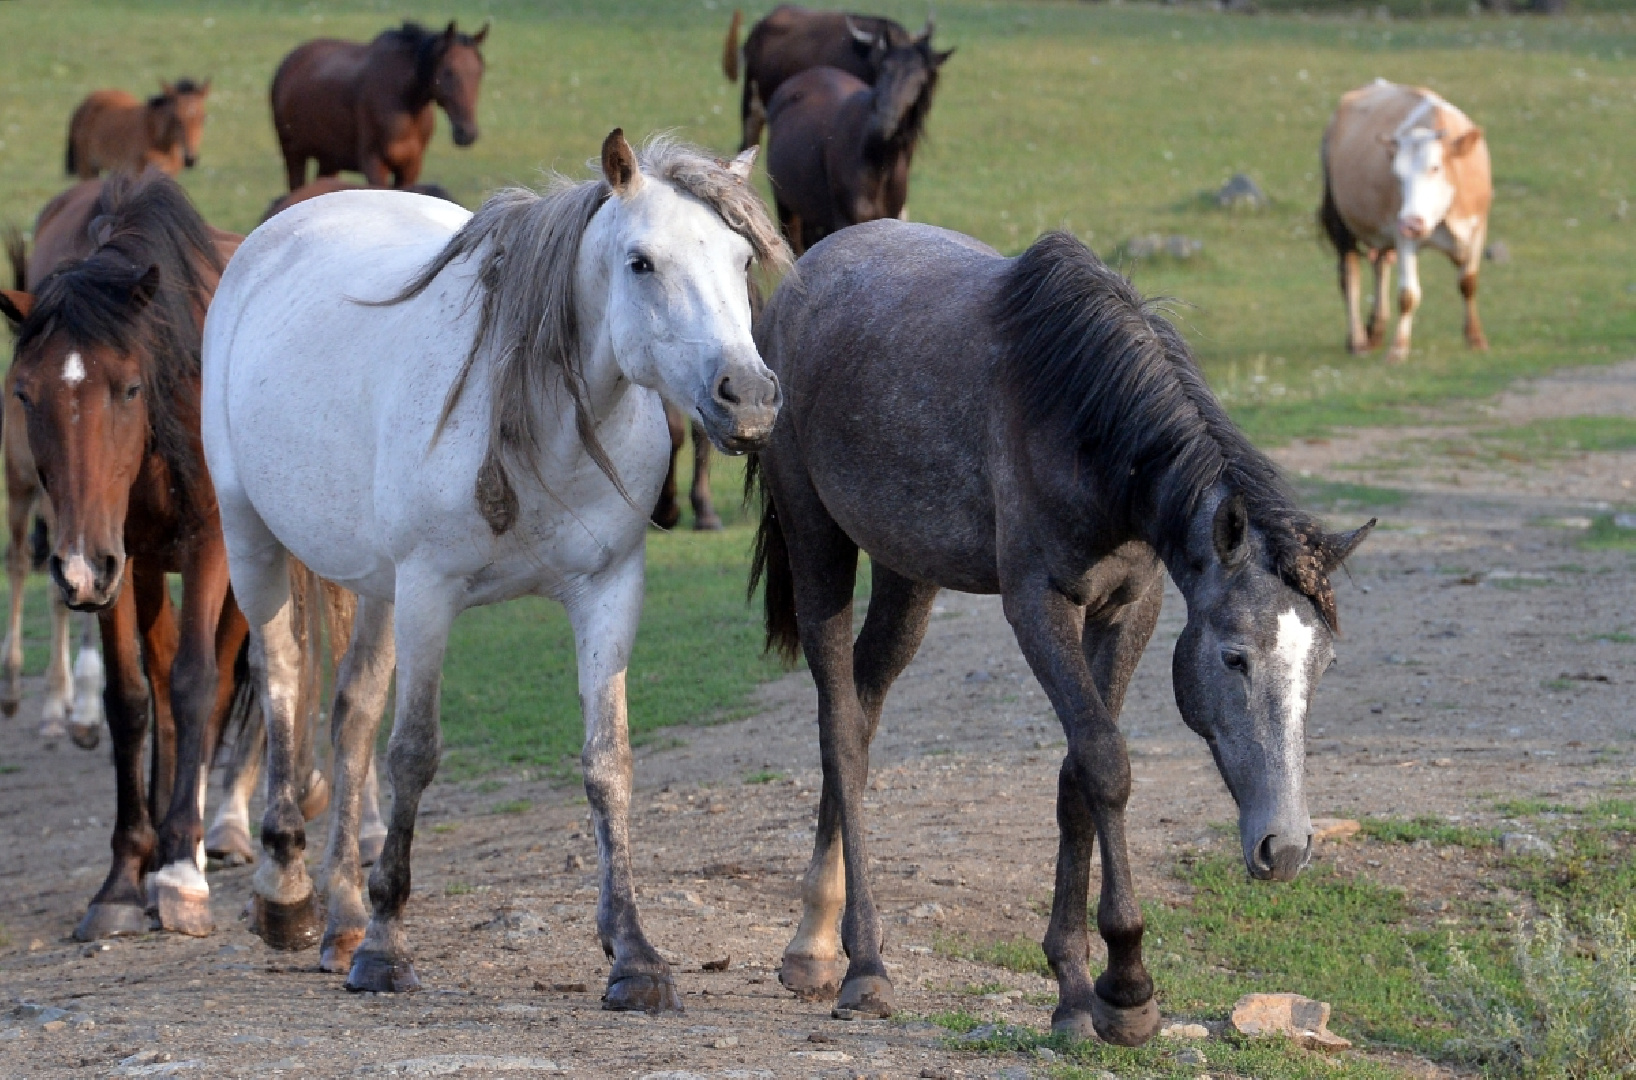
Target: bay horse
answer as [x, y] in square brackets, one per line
[516, 362]
[112, 130]
[369, 107]
[790, 39]
[840, 148]
[106, 373]
[1042, 433]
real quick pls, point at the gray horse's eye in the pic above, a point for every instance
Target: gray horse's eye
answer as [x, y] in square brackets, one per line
[1236, 660]
[641, 264]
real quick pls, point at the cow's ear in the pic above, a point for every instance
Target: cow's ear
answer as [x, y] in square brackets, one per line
[1466, 143]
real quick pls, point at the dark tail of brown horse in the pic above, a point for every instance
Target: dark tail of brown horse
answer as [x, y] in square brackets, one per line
[729, 55]
[770, 563]
[17, 257]
[71, 160]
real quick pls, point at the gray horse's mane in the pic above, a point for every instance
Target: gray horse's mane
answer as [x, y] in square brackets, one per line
[528, 242]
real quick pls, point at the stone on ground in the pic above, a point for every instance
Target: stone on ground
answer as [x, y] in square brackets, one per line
[1288, 1016]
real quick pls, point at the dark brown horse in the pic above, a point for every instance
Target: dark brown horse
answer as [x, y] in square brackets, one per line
[107, 375]
[791, 39]
[329, 184]
[840, 149]
[668, 511]
[369, 108]
[113, 130]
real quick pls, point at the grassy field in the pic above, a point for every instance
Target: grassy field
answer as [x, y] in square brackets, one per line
[1110, 120]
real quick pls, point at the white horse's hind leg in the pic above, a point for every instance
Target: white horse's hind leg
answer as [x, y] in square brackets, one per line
[228, 840]
[372, 830]
[85, 720]
[604, 618]
[59, 681]
[360, 696]
[424, 613]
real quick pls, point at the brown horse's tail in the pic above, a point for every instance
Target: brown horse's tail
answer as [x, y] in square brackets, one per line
[16, 256]
[770, 564]
[729, 55]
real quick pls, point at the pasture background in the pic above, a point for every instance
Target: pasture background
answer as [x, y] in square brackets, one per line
[1107, 120]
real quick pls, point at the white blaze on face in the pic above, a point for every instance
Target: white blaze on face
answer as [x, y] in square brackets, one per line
[1292, 651]
[1422, 173]
[73, 369]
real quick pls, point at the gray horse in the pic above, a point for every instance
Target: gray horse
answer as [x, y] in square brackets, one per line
[1028, 427]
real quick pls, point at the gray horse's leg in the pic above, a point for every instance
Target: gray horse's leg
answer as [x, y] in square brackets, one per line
[360, 696]
[899, 610]
[372, 827]
[604, 617]
[705, 518]
[423, 614]
[1092, 790]
[228, 840]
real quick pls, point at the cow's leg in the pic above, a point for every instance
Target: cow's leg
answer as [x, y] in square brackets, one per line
[1379, 308]
[1408, 299]
[1475, 337]
[667, 512]
[361, 686]
[705, 518]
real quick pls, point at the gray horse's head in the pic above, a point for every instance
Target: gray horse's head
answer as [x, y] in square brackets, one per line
[1246, 668]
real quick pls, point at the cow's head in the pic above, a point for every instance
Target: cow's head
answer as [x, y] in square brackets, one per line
[1421, 159]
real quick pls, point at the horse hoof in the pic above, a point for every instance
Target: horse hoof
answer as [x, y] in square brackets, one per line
[85, 736]
[287, 927]
[707, 523]
[370, 848]
[338, 949]
[179, 907]
[51, 731]
[811, 978]
[1076, 1024]
[229, 844]
[866, 995]
[378, 973]
[9, 706]
[111, 920]
[316, 798]
[1131, 1026]
[642, 993]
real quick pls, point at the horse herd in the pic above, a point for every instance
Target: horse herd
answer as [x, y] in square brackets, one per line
[379, 410]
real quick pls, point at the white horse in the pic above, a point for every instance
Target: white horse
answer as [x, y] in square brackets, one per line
[440, 410]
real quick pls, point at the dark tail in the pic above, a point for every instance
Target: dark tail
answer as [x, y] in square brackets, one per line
[70, 159]
[243, 709]
[1329, 218]
[770, 564]
[39, 545]
[17, 256]
[729, 54]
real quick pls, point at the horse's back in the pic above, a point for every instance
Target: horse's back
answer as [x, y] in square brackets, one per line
[108, 130]
[313, 95]
[60, 232]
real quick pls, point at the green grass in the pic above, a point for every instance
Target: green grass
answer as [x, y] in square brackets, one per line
[1434, 830]
[1606, 534]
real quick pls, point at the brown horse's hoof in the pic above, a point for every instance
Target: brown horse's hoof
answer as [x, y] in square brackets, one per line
[85, 736]
[810, 978]
[642, 993]
[315, 800]
[8, 706]
[111, 920]
[710, 522]
[866, 995]
[370, 848]
[180, 900]
[1131, 1026]
[378, 973]
[335, 955]
[287, 927]
[229, 844]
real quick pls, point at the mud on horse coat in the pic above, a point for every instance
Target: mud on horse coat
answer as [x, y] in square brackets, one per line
[788, 40]
[370, 107]
[1038, 432]
[840, 149]
[106, 371]
[112, 130]
[515, 362]
[1404, 169]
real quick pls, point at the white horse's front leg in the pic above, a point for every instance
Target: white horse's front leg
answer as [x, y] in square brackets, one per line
[425, 609]
[85, 719]
[605, 615]
[1408, 298]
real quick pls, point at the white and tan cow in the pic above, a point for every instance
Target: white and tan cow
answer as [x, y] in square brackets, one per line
[1404, 169]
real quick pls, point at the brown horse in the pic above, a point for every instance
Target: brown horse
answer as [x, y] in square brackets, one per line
[113, 130]
[368, 108]
[791, 39]
[328, 184]
[840, 148]
[668, 511]
[107, 375]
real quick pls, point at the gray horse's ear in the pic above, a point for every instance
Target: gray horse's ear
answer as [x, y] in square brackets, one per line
[1231, 531]
[15, 305]
[1336, 548]
[741, 165]
[619, 164]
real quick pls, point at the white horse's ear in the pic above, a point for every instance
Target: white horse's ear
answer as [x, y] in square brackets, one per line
[741, 165]
[619, 165]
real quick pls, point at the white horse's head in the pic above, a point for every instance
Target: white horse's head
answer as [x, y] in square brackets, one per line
[677, 298]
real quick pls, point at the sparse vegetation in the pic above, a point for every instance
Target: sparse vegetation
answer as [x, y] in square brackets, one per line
[1431, 829]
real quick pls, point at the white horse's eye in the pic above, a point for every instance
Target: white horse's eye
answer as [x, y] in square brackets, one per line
[641, 264]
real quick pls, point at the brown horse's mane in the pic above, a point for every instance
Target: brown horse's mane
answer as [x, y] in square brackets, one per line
[528, 243]
[427, 48]
[143, 224]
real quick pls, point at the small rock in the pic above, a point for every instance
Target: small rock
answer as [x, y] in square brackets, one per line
[1521, 843]
[1329, 828]
[978, 677]
[1289, 1016]
[1191, 1056]
[573, 862]
[929, 910]
[55, 1026]
[819, 1037]
[1497, 253]
[567, 987]
[725, 1043]
[1241, 193]
[1045, 1054]
[1184, 1031]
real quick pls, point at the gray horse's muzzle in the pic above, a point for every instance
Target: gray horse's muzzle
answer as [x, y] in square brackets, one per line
[742, 408]
[1278, 857]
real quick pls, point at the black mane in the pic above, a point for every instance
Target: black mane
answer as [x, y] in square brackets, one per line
[140, 223]
[1090, 357]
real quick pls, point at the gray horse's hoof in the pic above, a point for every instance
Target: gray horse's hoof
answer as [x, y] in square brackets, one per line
[1131, 1026]
[338, 950]
[287, 927]
[111, 920]
[642, 993]
[866, 995]
[379, 973]
[85, 736]
[810, 978]
[370, 848]
[229, 844]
